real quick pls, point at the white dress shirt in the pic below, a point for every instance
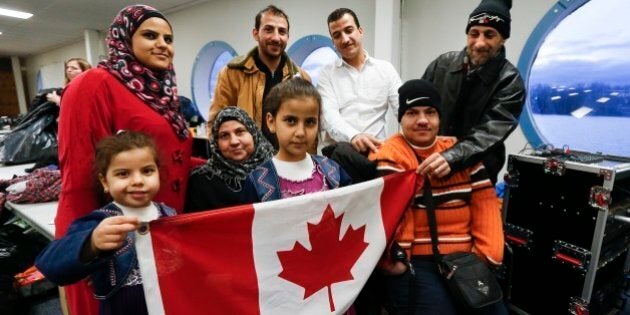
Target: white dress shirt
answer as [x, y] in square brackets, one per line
[356, 101]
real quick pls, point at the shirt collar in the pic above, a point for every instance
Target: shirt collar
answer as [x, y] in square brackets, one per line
[419, 148]
[340, 62]
[263, 67]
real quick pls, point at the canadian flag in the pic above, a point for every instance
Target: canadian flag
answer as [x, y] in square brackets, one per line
[304, 255]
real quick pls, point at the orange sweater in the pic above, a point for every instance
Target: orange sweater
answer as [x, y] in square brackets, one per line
[467, 209]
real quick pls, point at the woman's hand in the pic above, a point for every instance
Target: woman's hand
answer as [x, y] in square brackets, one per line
[111, 233]
[53, 97]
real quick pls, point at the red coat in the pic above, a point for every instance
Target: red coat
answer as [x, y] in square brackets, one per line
[96, 105]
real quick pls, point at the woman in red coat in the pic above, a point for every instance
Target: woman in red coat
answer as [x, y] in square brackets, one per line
[134, 89]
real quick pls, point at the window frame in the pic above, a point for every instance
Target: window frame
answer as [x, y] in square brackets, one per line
[558, 12]
[202, 72]
[306, 45]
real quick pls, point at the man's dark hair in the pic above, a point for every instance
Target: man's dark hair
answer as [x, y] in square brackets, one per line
[273, 10]
[339, 13]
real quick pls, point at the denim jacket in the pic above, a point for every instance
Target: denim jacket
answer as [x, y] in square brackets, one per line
[61, 263]
[263, 184]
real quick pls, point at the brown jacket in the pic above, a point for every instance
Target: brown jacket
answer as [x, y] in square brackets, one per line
[242, 84]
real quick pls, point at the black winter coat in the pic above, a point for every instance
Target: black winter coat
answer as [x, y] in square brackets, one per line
[481, 108]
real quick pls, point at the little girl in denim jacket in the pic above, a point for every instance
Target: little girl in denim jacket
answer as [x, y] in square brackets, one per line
[293, 108]
[101, 244]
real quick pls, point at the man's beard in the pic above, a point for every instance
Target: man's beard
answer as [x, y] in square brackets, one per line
[480, 58]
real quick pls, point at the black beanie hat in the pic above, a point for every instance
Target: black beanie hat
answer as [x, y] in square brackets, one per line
[417, 93]
[493, 13]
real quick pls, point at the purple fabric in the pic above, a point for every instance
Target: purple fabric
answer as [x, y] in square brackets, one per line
[290, 188]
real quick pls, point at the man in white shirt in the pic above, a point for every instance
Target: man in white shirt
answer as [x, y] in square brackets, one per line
[356, 90]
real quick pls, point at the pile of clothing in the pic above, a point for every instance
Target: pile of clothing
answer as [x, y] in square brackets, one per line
[42, 185]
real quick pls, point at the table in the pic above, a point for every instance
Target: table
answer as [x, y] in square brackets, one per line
[7, 172]
[39, 216]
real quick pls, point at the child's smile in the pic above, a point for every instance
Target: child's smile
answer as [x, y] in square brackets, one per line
[132, 178]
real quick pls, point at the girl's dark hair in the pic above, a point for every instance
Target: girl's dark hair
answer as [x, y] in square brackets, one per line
[123, 141]
[290, 89]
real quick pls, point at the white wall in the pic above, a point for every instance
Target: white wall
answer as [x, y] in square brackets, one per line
[387, 32]
[434, 27]
[56, 56]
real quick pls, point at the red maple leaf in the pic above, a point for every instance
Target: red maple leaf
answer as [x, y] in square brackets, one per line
[329, 260]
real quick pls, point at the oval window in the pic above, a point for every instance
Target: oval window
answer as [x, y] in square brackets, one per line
[208, 63]
[578, 87]
[312, 53]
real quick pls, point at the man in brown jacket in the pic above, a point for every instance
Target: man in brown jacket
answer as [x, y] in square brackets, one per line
[246, 80]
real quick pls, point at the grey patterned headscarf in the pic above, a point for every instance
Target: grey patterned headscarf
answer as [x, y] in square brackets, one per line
[231, 172]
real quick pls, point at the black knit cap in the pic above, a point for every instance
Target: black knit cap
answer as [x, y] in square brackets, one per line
[417, 93]
[493, 13]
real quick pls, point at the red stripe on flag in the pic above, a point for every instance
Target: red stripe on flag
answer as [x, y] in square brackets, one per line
[205, 262]
[397, 193]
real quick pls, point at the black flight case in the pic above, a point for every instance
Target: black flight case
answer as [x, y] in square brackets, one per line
[566, 220]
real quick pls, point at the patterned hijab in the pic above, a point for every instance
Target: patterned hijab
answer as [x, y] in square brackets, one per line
[156, 88]
[231, 172]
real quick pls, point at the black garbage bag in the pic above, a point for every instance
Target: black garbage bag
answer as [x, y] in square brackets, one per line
[34, 137]
[41, 98]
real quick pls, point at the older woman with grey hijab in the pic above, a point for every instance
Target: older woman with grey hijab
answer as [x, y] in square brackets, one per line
[237, 147]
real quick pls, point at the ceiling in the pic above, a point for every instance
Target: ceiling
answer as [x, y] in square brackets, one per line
[57, 23]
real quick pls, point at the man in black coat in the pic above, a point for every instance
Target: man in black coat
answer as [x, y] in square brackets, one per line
[482, 94]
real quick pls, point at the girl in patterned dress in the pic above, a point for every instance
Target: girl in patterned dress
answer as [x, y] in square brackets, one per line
[293, 109]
